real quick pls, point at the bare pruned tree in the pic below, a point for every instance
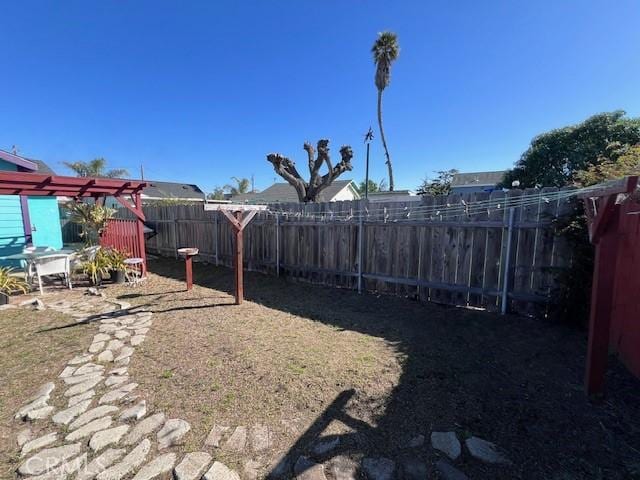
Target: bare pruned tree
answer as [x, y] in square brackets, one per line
[309, 191]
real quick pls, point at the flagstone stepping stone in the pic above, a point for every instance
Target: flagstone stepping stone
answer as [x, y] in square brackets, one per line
[219, 471]
[448, 472]
[251, 470]
[144, 428]
[192, 466]
[62, 471]
[81, 397]
[121, 334]
[101, 337]
[125, 352]
[172, 432]
[83, 387]
[106, 356]
[379, 468]
[38, 443]
[34, 405]
[65, 416]
[306, 469]
[114, 380]
[96, 347]
[94, 413]
[67, 372]
[115, 345]
[123, 362]
[76, 379]
[344, 468]
[117, 394]
[260, 438]
[25, 435]
[107, 437]
[215, 435]
[107, 328]
[101, 463]
[89, 429]
[237, 441]
[49, 458]
[414, 469]
[325, 445]
[40, 413]
[446, 442]
[137, 340]
[89, 368]
[129, 463]
[484, 451]
[134, 413]
[44, 391]
[119, 371]
[156, 467]
[142, 331]
[80, 359]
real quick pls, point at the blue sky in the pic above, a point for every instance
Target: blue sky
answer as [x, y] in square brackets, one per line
[202, 91]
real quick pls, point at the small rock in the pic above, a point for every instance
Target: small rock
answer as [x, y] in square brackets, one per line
[65, 416]
[260, 438]
[157, 466]
[80, 359]
[76, 379]
[90, 415]
[134, 413]
[414, 469]
[117, 394]
[79, 398]
[47, 459]
[128, 464]
[67, 372]
[137, 340]
[192, 466]
[62, 471]
[305, 469]
[219, 471]
[144, 428]
[96, 347]
[446, 442]
[106, 356]
[484, 451]
[125, 352]
[325, 445]
[101, 337]
[215, 435]
[123, 362]
[107, 437]
[44, 391]
[237, 441]
[447, 472]
[99, 464]
[172, 432]
[114, 380]
[142, 331]
[38, 443]
[34, 405]
[115, 345]
[121, 334]
[40, 413]
[89, 429]
[25, 435]
[378, 468]
[119, 371]
[89, 368]
[83, 387]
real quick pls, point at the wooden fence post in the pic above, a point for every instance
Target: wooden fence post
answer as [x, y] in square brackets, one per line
[215, 239]
[360, 250]
[507, 263]
[277, 245]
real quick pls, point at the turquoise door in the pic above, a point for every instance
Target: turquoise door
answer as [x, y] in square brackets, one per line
[45, 222]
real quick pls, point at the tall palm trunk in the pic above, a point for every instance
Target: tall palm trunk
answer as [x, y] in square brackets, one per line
[384, 141]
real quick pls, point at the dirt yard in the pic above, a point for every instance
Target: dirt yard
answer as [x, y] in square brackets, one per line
[379, 371]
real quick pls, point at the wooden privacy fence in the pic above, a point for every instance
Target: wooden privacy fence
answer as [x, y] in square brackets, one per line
[472, 258]
[122, 234]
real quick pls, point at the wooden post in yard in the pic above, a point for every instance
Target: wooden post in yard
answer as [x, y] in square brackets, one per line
[140, 231]
[238, 258]
[189, 272]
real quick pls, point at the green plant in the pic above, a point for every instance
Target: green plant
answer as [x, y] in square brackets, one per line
[115, 258]
[92, 218]
[97, 268]
[10, 283]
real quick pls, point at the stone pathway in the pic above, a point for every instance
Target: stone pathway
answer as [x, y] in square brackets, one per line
[104, 431]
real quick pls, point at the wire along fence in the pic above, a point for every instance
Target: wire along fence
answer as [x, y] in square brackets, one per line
[496, 251]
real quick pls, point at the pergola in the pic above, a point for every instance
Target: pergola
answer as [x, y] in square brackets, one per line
[34, 184]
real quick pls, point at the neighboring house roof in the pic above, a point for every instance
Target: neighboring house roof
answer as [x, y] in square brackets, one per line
[27, 163]
[285, 193]
[171, 190]
[395, 196]
[477, 179]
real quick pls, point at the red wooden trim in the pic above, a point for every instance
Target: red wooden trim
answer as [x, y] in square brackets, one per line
[18, 160]
[602, 218]
[189, 271]
[133, 209]
[140, 231]
[233, 220]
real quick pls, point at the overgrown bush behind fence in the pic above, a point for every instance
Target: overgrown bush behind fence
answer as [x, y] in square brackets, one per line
[407, 250]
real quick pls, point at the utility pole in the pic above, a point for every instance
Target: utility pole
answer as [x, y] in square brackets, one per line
[141, 172]
[367, 139]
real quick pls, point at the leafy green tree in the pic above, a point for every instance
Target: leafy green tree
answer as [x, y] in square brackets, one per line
[96, 168]
[554, 158]
[217, 194]
[242, 186]
[373, 187]
[621, 161]
[441, 185]
[385, 51]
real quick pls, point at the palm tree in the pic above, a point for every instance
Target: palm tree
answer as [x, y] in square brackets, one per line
[242, 186]
[96, 168]
[385, 51]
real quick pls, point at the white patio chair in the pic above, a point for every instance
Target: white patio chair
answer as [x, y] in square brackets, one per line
[27, 264]
[55, 264]
[87, 254]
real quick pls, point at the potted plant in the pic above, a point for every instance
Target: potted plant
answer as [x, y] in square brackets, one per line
[9, 284]
[98, 268]
[116, 264]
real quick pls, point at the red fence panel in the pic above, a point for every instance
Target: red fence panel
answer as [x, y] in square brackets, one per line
[122, 235]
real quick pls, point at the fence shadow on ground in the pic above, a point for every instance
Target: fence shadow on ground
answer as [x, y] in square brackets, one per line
[512, 380]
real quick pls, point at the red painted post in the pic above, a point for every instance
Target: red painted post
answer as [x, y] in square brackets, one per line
[238, 259]
[140, 225]
[189, 269]
[602, 298]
